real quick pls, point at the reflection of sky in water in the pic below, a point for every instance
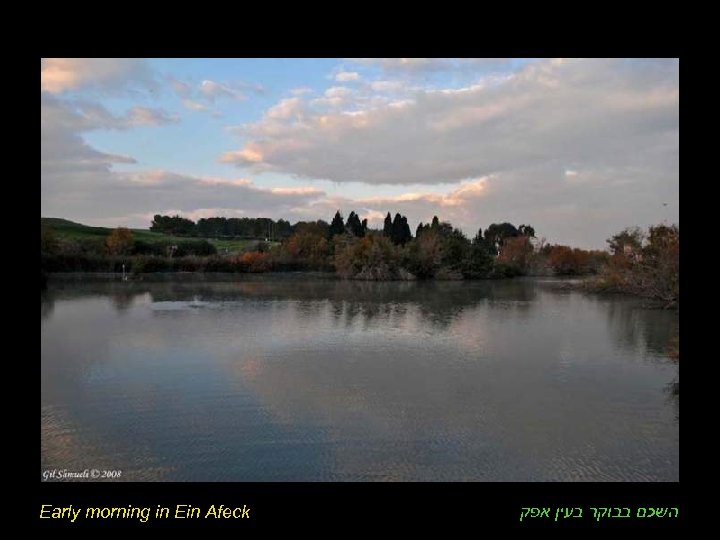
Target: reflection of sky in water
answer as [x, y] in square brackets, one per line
[356, 381]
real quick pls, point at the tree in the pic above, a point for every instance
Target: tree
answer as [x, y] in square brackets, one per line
[651, 270]
[516, 252]
[405, 234]
[307, 246]
[372, 257]
[48, 239]
[455, 249]
[174, 225]
[338, 225]
[526, 230]
[496, 234]
[631, 237]
[479, 240]
[119, 241]
[478, 262]
[387, 226]
[355, 226]
[400, 230]
[419, 230]
[318, 228]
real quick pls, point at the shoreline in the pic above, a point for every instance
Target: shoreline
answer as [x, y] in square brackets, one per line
[266, 276]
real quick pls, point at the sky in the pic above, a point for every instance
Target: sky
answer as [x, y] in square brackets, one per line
[577, 148]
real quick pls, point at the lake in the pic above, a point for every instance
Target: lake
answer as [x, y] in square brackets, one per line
[288, 379]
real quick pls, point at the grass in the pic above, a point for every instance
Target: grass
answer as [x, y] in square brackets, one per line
[76, 231]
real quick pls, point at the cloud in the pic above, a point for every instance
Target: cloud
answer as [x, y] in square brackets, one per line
[129, 197]
[335, 96]
[308, 190]
[403, 64]
[428, 65]
[300, 91]
[212, 90]
[193, 105]
[203, 96]
[111, 74]
[386, 86]
[145, 116]
[82, 115]
[456, 197]
[63, 152]
[578, 148]
[285, 109]
[181, 88]
[346, 76]
[589, 113]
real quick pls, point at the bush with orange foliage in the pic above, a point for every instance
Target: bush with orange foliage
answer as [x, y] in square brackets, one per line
[652, 271]
[307, 247]
[119, 241]
[372, 257]
[255, 261]
[516, 252]
[565, 260]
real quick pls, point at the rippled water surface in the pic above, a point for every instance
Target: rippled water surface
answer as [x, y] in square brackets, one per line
[318, 380]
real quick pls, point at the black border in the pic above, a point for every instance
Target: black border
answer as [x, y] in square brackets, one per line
[341, 508]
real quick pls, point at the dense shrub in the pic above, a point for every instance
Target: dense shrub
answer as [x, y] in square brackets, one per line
[372, 257]
[255, 261]
[151, 264]
[651, 269]
[307, 249]
[119, 241]
[199, 248]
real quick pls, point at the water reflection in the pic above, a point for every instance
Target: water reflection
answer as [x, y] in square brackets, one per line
[637, 326]
[332, 380]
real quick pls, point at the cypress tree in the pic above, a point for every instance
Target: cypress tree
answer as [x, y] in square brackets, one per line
[387, 227]
[338, 225]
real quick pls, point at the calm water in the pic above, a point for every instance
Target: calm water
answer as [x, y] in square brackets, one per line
[275, 380]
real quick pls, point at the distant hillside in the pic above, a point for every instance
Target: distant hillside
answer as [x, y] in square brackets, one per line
[65, 228]
[56, 221]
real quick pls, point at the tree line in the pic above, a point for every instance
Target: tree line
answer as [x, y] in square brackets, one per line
[635, 262]
[219, 227]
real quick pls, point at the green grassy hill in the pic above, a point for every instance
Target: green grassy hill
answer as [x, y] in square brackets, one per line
[76, 231]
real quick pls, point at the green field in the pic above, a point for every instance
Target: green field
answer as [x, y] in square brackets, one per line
[76, 231]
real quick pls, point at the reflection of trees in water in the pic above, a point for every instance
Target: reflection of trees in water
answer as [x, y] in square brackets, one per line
[672, 389]
[438, 302]
[47, 304]
[633, 326]
[122, 300]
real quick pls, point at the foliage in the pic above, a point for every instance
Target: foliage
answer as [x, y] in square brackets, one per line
[172, 225]
[372, 257]
[355, 226]
[348, 247]
[120, 241]
[627, 240]
[337, 226]
[650, 269]
[516, 252]
[255, 261]
[318, 228]
[48, 239]
[221, 227]
[309, 248]
[496, 234]
[424, 256]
